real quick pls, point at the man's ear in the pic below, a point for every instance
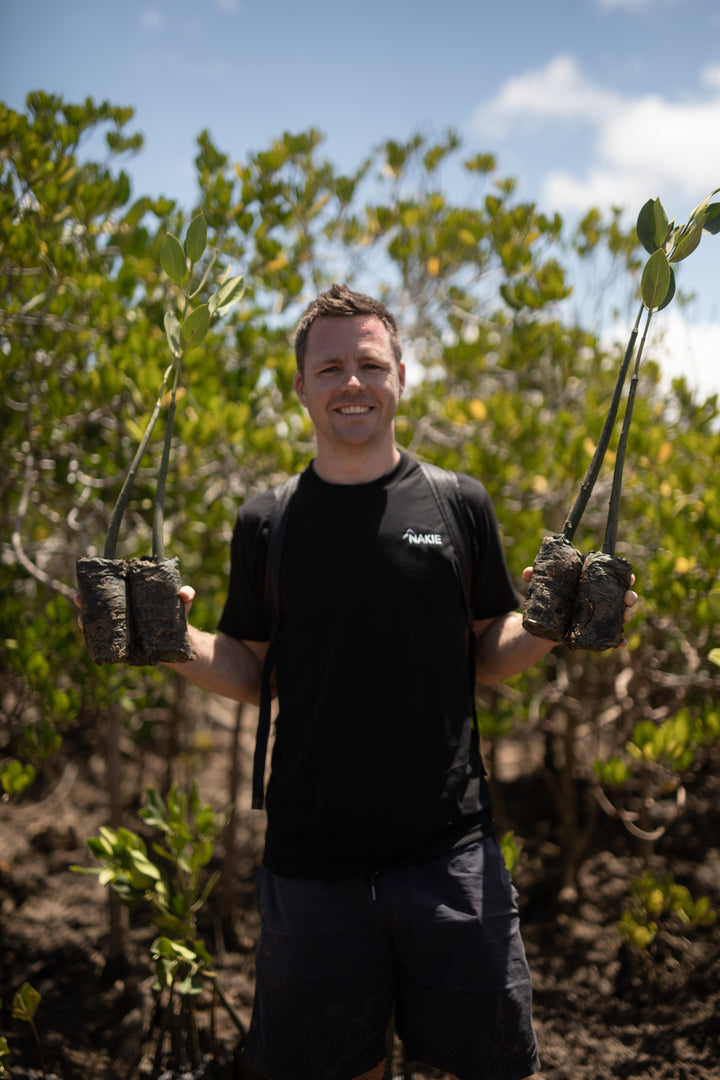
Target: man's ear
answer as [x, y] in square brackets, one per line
[401, 373]
[299, 386]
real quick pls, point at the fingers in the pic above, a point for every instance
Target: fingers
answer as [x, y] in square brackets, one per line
[78, 604]
[527, 573]
[187, 595]
[631, 599]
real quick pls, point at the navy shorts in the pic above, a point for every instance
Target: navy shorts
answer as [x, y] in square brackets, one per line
[439, 942]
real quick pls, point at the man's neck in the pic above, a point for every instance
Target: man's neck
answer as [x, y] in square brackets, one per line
[358, 467]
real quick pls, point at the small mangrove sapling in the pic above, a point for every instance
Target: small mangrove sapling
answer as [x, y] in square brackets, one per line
[577, 599]
[131, 609]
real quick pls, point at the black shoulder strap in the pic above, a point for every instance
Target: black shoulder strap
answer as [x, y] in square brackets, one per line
[276, 533]
[445, 487]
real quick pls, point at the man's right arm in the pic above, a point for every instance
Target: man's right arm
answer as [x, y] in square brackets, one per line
[222, 664]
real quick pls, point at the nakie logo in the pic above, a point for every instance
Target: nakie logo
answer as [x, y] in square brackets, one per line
[413, 537]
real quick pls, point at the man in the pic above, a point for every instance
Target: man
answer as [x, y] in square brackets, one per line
[382, 887]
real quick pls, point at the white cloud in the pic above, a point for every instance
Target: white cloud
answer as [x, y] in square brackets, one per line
[639, 146]
[153, 19]
[229, 6]
[681, 348]
[623, 151]
[635, 5]
[687, 348]
[557, 91]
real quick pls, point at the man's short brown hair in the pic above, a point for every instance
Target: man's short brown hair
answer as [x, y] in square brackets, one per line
[341, 302]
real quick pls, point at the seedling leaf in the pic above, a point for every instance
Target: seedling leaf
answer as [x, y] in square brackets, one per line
[652, 225]
[228, 294]
[655, 280]
[712, 219]
[172, 333]
[196, 238]
[671, 291]
[144, 867]
[194, 328]
[25, 1003]
[688, 240]
[172, 259]
[703, 205]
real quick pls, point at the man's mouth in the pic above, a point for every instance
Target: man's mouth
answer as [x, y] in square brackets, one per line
[353, 410]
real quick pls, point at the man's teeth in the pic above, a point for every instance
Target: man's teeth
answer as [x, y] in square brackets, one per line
[353, 410]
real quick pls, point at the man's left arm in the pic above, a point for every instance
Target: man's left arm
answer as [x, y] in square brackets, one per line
[504, 648]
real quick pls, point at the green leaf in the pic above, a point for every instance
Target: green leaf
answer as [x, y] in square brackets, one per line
[144, 867]
[671, 291]
[172, 259]
[196, 238]
[712, 219]
[228, 294]
[99, 847]
[652, 225]
[25, 1003]
[688, 240]
[655, 280]
[172, 333]
[702, 207]
[194, 328]
[715, 656]
[15, 777]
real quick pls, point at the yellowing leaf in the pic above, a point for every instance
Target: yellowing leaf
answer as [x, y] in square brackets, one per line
[478, 409]
[433, 266]
[665, 453]
[179, 395]
[276, 264]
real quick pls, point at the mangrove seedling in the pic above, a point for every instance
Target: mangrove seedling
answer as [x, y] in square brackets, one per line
[174, 887]
[577, 599]
[132, 612]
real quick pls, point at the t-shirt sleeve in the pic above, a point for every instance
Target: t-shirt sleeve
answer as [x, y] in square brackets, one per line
[492, 590]
[244, 614]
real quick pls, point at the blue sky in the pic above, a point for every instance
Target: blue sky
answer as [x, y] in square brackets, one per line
[585, 102]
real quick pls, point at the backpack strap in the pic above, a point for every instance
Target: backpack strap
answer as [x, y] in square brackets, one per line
[445, 487]
[276, 532]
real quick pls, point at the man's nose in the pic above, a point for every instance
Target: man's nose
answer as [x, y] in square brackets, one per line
[354, 379]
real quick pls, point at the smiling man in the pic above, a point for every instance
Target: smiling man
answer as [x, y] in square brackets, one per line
[383, 890]
[350, 379]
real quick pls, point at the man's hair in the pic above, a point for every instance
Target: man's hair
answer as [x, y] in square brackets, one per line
[341, 302]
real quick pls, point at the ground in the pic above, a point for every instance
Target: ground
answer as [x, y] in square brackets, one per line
[601, 1009]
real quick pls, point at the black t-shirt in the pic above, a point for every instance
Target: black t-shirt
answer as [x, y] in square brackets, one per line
[374, 762]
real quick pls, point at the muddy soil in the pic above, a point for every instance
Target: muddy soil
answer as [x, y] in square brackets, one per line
[601, 1010]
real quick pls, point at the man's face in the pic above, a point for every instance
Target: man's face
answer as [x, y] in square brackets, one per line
[351, 383]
